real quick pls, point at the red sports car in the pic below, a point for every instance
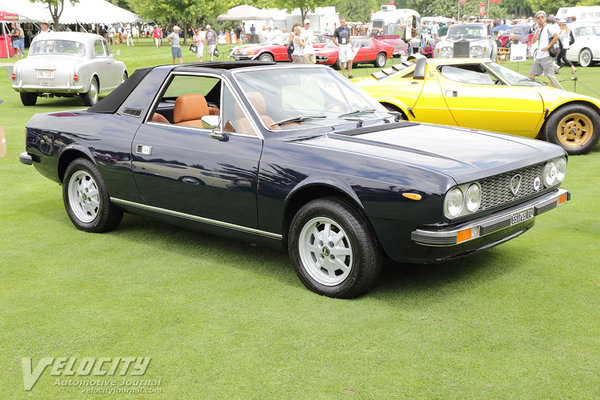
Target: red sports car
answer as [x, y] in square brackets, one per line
[368, 51]
[273, 50]
[521, 33]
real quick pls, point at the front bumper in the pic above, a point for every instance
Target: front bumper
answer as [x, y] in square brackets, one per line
[25, 158]
[505, 220]
[239, 57]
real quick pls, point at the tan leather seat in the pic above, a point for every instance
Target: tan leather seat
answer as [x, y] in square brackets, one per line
[258, 101]
[156, 117]
[190, 108]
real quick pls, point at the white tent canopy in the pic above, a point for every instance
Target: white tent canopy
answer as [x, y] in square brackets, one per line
[244, 12]
[84, 12]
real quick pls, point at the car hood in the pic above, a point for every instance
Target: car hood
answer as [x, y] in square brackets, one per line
[462, 154]
[48, 62]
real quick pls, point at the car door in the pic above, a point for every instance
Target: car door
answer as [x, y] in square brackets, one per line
[183, 167]
[478, 99]
[114, 69]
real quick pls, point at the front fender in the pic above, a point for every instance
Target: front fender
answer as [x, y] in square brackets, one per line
[327, 182]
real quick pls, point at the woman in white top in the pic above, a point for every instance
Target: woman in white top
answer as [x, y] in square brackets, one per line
[198, 39]
[299, 44]
[564, 37]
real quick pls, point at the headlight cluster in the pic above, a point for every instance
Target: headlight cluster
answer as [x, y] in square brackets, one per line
[554, 172]
[461, 200]
[446, 52]
[476, 51]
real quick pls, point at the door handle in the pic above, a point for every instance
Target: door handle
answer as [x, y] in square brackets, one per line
[143, 149]
[451, 93]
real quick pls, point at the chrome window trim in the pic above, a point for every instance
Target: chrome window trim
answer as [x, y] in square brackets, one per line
[197, 218]
[148, 119]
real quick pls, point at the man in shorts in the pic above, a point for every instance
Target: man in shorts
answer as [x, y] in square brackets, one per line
[175, 48]
[211, 41]
[546, 35]
[341, 38]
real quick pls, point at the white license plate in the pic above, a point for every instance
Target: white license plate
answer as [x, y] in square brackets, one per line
[521, 216]
[45, 73]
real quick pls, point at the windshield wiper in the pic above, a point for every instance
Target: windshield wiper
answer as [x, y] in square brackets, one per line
[298, 118]
[357, 112]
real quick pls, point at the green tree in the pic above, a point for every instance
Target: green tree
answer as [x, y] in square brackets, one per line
[56, 8]
[305, 6]
[354, 10]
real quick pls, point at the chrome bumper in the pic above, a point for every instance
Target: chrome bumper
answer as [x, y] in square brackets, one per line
[25, 158]
[517, 215]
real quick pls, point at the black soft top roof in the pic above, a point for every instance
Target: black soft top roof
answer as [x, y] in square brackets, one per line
[111, 103]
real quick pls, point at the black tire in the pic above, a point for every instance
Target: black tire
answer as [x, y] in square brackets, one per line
[28, 99]
[380, 60]
[82, 174]
[337, 65]
[576, 128]
[91, 97]
[325, 276]
[266, 57]
[585, 57]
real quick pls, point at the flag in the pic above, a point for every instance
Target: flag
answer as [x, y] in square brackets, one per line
[494, 1]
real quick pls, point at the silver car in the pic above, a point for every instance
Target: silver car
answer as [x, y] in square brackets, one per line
[467, 41]
[67, 64]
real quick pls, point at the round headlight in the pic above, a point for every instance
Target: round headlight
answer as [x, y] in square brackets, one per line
[473, 198]
[549, 174]
[453, 203]
[561, 169]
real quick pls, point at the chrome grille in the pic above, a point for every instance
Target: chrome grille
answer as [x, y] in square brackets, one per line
[461, 49]
[495, 190]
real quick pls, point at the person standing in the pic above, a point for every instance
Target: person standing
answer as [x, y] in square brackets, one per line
[175, 47]
[309, 40]
[129, 34]
[15, 38]
[565, 36]
[341, 38]
[198, 39]
[44, 27]
[211, 41]
[326, 29]
[21, 39]
[238, 33]
[546, 35]
[298, 54]
[157, 35]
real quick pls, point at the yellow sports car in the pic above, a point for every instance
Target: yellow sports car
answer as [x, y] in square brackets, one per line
[480, 94]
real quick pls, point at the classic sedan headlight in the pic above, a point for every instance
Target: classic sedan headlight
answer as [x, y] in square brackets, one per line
[554, 172]
[462, 200]
[477, 51]
[446, 52]
[453, 203]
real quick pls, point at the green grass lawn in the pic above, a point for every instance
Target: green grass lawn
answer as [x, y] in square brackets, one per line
[225, 320]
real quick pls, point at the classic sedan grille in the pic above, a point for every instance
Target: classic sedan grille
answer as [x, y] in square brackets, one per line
[496, 189]
[461, 49]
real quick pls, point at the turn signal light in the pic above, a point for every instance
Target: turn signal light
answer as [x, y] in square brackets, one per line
[562, 199]
[412, 196]
[13, 76]
[462, 236]
[76, 78]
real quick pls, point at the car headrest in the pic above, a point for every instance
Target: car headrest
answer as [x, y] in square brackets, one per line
[258, 101]
[189, 107]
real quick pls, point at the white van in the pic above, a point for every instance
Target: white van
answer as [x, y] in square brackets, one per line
[582, 14]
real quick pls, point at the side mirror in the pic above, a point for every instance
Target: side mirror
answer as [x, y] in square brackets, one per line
[212, 122]
[118, 52]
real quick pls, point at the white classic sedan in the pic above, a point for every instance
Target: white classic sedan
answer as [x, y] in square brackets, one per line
[586, 48]
[67, 64]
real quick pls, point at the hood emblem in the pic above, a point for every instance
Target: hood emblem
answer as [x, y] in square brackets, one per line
[515, 184]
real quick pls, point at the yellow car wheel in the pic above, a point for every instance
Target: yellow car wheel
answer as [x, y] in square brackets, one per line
[576, 128]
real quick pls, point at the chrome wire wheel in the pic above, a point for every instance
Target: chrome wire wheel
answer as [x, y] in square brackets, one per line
[325, 251]
[575, 130]
[84, 196]
[94, 92]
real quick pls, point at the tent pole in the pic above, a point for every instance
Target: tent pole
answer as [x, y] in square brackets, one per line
[5, 39]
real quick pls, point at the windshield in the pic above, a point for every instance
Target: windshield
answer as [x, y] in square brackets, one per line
[512, 77]
[468, 30]
[280, 39]
[300, 98]
[62, 47]
[377, 24]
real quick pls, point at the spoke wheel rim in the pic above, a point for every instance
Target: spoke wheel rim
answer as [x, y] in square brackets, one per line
[575, 130]
[93, 92]
[84, 196]
[585, 58]
[325, 251]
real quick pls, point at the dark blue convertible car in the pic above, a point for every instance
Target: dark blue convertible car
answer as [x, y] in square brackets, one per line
[293, 156]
